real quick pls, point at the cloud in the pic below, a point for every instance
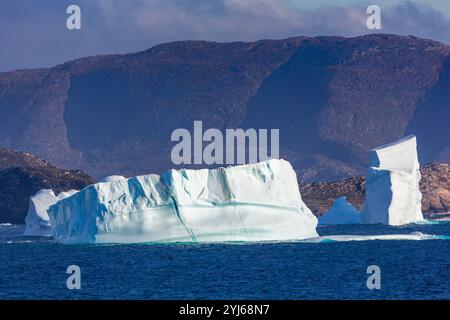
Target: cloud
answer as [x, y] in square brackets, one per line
[419, 20]
[33, 33]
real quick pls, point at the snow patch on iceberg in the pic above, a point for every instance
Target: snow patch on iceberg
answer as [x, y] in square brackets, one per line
[256, 202]
[341, 212]
[111, 178]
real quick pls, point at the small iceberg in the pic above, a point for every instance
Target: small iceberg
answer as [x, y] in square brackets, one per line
[37, 219]
[341, 212]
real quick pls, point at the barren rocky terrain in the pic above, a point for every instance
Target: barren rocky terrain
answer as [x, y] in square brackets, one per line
[23, 174]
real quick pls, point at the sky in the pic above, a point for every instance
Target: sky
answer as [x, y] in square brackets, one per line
[33, 33]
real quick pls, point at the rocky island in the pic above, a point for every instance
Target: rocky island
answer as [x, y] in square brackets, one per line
[22, 175]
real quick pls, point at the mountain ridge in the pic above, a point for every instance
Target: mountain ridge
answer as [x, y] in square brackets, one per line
[333, 98]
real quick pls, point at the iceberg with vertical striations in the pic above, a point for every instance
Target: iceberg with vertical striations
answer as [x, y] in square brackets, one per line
[255, 202]
[37, 220]
[392, 184]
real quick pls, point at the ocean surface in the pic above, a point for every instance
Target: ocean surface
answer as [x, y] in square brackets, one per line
[328, 268]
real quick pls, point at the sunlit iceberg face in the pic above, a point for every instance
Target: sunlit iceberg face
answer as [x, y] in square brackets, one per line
[257, 202]
[392, 186]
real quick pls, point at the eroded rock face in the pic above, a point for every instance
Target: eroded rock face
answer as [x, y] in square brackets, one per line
[22, 175]
[435, 188]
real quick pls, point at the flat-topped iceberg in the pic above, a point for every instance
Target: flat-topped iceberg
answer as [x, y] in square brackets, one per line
[37, 220]
[255, 202]
[392, 184]
[341, 212]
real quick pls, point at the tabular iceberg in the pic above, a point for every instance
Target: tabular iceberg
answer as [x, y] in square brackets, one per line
[37, 219]
[256, 202]
[392, 184]
[341, 212]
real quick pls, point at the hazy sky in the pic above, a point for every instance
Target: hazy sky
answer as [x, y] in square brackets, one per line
[34, 34]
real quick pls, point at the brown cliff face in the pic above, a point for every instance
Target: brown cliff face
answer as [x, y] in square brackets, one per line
[434, 185]
[332, 98]
[320, 196]
[435, 188]
[23, 174]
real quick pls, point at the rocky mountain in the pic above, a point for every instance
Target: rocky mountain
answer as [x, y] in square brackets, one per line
[332, 98]
[23, 174]
[434, 185]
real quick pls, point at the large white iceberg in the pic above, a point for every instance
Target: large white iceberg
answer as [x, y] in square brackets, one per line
[392, 184]
[341, 212]
[256, 202]
[37, 219]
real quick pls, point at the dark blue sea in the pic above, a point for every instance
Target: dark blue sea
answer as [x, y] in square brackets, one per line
[35, 268]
